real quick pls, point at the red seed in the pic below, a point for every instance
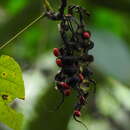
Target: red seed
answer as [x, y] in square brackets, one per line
[59, 62]
[81, 77]
[77, 113]
[86, 35]
[65, 85]
[56, 52]
[67, 92]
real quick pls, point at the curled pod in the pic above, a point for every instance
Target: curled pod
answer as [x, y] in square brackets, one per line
[90, 45]
[87, 58]
[82, 100]
[62, 51]
[87, 72]
[59, 77]
[69, 70]
[68, 60]
[73, 81]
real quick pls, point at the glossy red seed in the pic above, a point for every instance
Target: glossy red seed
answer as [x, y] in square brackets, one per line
[77, 113]
[65, 85]
[81, 77]
[86, 35]
[67, 92]
[59, 62]
[56, 52]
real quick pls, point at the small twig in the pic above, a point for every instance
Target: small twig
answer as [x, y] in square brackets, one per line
[48, 9]
[80, 122]
[47, 6]
[23, 30]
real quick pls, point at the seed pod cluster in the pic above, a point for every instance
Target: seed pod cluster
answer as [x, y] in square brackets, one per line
[73, 57]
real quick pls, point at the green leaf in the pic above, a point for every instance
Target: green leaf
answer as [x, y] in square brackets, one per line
[11, 87]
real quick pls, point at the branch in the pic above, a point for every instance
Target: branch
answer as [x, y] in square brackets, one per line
[63, 6]
[23, 30]
[47, 5]
[48, 9]
[16, 23]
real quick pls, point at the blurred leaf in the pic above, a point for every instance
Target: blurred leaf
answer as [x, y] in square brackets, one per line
[28, 45]
[47, 117]
[11, 87]
[112, 102]
[109, 20]
[14, 6]
[120, 91]
[10, 117]
[106, 103]
[111, 55]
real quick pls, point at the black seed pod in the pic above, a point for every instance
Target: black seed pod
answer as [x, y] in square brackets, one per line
[59, 77]
[90, 58]
[73, 81]
[73, 58]
[68, 60]
[87, 72]
[90, 45]
[69, 70]
[87, 58]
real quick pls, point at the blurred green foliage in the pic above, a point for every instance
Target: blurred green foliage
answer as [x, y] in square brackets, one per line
[109, 108]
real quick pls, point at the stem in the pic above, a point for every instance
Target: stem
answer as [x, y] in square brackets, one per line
[63, 6]
[47, 5]
[23, 30]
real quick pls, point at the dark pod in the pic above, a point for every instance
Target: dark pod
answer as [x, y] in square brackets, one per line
[90, 45]
[87, 72]
[73, 81]
[68, 60]
[89, 58]
[69, 70]
[73, 57]
[59, 77]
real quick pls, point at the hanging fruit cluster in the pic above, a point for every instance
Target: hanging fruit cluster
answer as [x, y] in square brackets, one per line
[73, 57]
